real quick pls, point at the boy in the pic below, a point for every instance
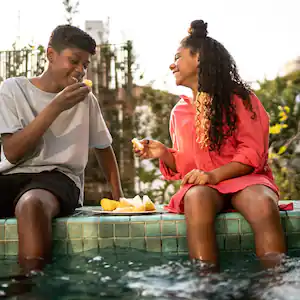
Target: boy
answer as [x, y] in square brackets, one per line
[47, 124]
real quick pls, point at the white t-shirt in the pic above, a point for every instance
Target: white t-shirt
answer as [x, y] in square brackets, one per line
[64, 146]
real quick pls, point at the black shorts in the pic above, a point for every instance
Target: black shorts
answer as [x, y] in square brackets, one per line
[13, 186]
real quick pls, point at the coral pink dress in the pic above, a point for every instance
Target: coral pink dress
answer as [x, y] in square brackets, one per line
[249, 145]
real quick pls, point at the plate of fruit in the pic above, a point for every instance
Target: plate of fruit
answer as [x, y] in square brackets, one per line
[127, 206]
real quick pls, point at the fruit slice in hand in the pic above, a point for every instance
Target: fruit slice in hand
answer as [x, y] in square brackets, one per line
[137, 144]
[88, 82]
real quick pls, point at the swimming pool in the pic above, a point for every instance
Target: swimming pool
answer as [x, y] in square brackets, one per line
[145, 257]
[132, 274]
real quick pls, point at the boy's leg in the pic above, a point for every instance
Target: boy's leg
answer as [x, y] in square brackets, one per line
[34, 212]
[48, 195]
[259, 205]
[201, 205]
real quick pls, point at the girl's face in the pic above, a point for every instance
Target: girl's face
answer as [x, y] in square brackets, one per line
[185, 67]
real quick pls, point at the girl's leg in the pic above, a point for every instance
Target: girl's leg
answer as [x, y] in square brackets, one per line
[201, 204]
[259, 205]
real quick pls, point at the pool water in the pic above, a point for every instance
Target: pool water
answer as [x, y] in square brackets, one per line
[131, 274]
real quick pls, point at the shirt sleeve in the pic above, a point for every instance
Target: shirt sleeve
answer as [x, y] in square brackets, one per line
[167, 173]
[252, 135]
[99, 135]
[9, 120]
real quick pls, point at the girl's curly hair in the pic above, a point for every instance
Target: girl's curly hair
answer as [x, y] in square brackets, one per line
[218, 82]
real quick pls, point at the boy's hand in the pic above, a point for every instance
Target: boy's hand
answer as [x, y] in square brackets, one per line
[70, 96]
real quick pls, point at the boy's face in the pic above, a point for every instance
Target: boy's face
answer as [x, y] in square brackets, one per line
[68, 66]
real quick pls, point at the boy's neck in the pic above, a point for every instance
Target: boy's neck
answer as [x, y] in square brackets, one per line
[46, 83]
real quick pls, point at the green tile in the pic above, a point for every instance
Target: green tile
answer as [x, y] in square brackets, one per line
[60, 231]
[181, 228]
[74, 230]
[220, 225]
[90, 230]
[64, 220]
[221, 241]
[11, 232]
[232, 225]
[247, 241]
[231, 215]
[293, 240]
[106, 243]
[122, 230]
[169, 229]
[90, 244]
[11, 221]
[153, 229]
[283, 222]
[232, 242]
[293, 224]
[148, 218]
[182, 244]
[172, 217]
[11, 248]
[169, 245]
[138, 243]
[137, 229]
[245, 227]
[60, 247]
[75, 246]
[153, 244]
[122, 243]
[2, 249]
[2, 231]
[106, 230]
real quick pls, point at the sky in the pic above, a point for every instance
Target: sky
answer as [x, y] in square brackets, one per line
[262, 35]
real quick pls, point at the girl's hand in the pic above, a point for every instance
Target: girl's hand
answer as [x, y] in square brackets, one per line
[147, 149]
[199, 177]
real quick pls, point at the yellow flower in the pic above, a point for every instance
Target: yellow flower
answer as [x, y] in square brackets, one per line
[283, 118]
[275, 129]
[287, 109]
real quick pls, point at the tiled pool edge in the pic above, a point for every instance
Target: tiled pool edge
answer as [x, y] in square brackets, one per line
[163, 233]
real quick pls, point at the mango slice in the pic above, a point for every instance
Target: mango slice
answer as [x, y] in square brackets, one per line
[88, 82]
[109, 205]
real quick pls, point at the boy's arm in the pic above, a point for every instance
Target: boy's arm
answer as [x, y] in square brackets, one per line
[17, 145]
[18, 140]
[107, 161]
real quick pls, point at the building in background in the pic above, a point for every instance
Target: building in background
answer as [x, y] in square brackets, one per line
[98, 30]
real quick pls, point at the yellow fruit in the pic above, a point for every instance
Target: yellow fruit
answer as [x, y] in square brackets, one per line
[149, 205]
[109, 205]
[137, 144]
[124, 204]
[139, 208]
[88, 82]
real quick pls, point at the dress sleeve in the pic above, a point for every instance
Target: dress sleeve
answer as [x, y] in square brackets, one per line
[252, 134]
[167, 173]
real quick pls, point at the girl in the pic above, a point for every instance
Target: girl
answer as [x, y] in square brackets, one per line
[220, 149]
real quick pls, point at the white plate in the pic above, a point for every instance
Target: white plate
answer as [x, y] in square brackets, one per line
[123, 213]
